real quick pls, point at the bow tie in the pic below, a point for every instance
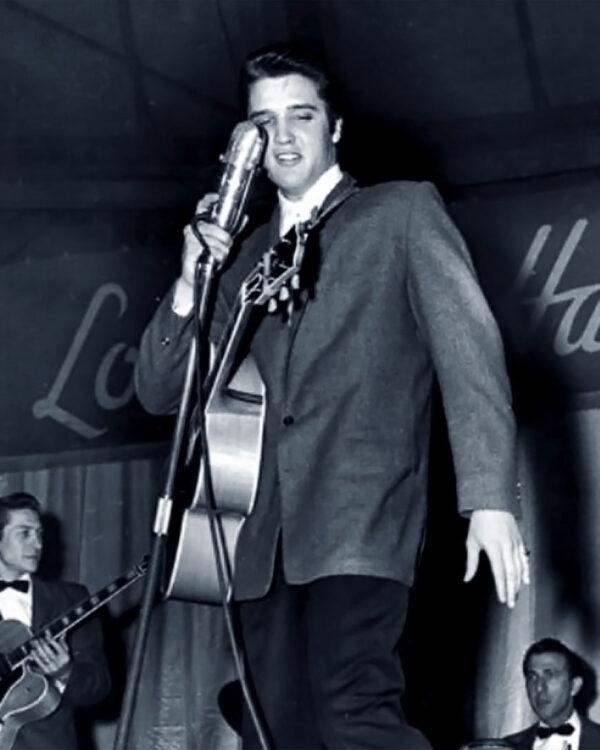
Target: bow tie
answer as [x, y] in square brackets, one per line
[564, 729]
[18, 585]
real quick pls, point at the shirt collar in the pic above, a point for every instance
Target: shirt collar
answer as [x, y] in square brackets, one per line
[574, 739]
[292, 212]
[573, 719]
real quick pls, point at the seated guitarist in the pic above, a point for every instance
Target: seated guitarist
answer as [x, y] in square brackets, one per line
[77, 669]
[326, 559]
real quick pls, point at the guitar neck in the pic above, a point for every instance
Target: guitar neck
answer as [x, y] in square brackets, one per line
[227, 347]
[272, 274]
[77, 614]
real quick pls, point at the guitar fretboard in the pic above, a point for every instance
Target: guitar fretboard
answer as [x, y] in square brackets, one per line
[74, 616]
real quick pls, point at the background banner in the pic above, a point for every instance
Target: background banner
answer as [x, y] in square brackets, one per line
[76, 291]
[536, 249]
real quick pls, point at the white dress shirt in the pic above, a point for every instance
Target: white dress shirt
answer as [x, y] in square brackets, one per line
[17, 605]
[292, 212]
[560, 742]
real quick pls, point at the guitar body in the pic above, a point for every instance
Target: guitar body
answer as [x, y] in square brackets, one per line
[26, 695]
[234, 423]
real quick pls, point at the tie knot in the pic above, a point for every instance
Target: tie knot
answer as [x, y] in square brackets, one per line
[18, 585]
[564, 729]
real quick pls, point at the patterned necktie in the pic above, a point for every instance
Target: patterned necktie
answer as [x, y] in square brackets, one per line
[18, 585]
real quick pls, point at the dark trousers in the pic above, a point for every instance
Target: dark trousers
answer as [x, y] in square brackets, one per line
[323, 665]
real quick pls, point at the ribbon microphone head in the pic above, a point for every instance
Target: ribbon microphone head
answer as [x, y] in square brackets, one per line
[241, 162]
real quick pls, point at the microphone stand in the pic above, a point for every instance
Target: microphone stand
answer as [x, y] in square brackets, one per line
[206, 270]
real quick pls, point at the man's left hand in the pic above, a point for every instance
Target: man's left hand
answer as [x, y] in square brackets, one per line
[51, 657]
[497, 534]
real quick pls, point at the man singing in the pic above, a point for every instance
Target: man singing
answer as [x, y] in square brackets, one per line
[325, 561]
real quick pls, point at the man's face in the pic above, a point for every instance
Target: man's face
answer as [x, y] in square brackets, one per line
[549, 688]
[20, 544]
[300, 144]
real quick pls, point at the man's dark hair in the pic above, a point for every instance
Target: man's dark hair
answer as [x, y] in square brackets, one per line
[278, 60]
[554, 646]
[17, 501]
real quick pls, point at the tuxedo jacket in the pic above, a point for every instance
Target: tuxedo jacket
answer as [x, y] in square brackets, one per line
[390, 299]
[89, 681]
[590, 736]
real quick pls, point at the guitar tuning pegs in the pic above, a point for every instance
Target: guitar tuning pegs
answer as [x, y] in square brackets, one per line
[284, 294]
[295, 281]
[272, 305]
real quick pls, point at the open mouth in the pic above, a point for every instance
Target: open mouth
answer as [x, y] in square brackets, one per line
[287, 160]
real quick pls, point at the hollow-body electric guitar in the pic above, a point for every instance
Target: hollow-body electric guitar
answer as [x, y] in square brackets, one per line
[26, 695]
[233, 430]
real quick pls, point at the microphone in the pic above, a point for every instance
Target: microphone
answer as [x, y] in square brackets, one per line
[242, 160]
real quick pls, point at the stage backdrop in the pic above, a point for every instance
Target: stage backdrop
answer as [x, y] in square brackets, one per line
[76, 289]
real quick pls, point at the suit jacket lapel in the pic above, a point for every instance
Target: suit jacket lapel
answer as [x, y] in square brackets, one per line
[524, 739]
[276, 336]
[340, 193]
[587, 740]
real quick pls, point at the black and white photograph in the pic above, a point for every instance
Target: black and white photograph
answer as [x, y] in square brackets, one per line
[299, 411]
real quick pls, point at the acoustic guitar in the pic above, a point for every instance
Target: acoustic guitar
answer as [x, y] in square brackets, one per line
[233, 430]
[26, 695]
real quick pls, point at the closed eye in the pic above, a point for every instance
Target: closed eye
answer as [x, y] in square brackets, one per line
[262, 120]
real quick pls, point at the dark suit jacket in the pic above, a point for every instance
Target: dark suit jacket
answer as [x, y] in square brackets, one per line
[89, 681]
[394, 298]
[590, 736]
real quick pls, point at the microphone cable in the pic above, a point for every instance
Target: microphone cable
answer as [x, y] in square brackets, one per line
[218, 539]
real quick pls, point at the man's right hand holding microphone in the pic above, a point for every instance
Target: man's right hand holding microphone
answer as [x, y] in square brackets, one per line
[215, 240]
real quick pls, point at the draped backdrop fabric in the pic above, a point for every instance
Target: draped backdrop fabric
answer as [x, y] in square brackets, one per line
[98, 525]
